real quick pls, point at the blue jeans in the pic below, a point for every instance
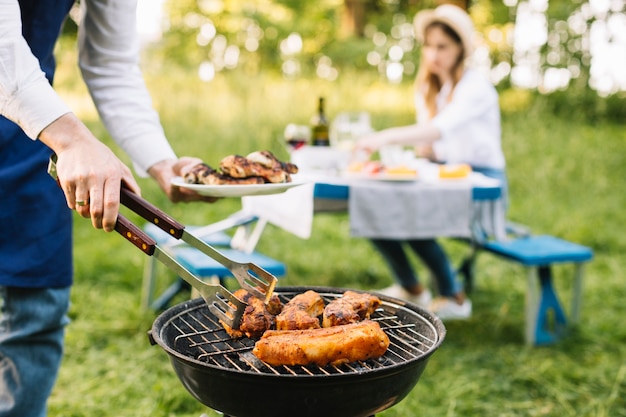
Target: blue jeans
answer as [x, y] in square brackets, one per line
[32, 322]
[430, 252]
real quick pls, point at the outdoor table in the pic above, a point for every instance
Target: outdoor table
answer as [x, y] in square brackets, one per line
[461, 208]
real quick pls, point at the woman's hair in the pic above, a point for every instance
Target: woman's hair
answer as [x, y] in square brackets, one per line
[427, 83]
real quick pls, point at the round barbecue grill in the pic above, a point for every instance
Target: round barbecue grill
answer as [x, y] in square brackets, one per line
[223, 374]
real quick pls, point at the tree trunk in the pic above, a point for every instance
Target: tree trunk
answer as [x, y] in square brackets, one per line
[354, 17]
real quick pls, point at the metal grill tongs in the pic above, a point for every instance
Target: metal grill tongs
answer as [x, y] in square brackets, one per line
[219, 300]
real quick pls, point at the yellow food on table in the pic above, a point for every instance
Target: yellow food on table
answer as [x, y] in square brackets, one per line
[454, 171]
[356, 167]
[400, 170]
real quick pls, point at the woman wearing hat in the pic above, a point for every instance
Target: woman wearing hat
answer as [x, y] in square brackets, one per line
[458, 121]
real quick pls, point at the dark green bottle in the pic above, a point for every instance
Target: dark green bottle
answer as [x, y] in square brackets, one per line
[319, 130]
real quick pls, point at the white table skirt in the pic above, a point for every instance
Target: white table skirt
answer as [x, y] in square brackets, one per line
[386, 209]
[410, 210]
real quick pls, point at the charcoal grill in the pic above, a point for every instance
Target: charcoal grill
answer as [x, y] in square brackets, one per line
[223, 374]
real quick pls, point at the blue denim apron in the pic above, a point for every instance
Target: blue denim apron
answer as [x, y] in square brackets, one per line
[36, 238]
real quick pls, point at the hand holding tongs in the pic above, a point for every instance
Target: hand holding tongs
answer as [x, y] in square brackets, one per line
[217, 297]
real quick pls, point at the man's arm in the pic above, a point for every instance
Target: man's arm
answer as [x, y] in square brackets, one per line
[87, 169]
[109, 62]
[26, 96]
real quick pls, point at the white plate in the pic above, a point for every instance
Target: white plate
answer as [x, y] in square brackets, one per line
[236, 190]
[381, 176]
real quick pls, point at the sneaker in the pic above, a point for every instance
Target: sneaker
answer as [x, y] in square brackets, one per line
[448, 309]
[398, 291]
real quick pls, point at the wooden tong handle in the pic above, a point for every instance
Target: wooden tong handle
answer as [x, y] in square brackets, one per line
[151, 213]
[135, 235]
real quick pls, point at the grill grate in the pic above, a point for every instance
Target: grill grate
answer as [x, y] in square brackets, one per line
[200, 337]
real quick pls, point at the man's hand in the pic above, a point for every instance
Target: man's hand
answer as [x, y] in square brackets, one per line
[163, 172]
[88, 171]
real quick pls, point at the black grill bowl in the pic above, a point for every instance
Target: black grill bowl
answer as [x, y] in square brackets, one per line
[355, 390]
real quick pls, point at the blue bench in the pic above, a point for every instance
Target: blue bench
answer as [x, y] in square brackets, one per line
[546, 321]
[198, 263]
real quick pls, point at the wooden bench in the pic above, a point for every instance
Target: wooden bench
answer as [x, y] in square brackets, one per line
[546, 321]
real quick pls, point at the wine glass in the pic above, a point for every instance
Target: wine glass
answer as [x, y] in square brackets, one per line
[348, 127]
[297, 136]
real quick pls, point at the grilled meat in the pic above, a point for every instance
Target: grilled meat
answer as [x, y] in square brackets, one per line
[352, 307]
[258, 168]
[238, 166]
[334, 345]
[268, 160]
[274, 306]
[204, 174]
[301, 312]
[198, 173]
[220, 179]
[257, 317]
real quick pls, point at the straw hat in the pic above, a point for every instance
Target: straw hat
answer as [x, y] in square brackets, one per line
[451, 15]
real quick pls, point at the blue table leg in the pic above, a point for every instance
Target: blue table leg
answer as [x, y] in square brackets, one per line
[551, 321]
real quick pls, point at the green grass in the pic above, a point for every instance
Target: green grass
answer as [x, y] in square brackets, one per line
[566, 178]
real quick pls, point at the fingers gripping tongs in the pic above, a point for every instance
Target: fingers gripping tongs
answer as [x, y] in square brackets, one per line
[221, 302]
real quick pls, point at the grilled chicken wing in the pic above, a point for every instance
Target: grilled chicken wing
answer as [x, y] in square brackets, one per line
[350, 308]
[238, 166]
[257, 168]
[220, 179]
[204, 174]
[301, 312]
[198, 173]
[334, 345]
[268, 160]
[257, 317]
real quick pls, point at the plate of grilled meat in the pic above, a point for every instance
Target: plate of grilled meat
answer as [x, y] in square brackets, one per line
[258, 173]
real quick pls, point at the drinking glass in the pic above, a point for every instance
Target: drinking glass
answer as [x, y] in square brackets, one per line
[297, 136]
[347, 128]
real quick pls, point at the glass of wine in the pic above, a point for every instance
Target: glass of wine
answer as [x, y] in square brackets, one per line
[297, 136]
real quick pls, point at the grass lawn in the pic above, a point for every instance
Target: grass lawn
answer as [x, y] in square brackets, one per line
[566, 179]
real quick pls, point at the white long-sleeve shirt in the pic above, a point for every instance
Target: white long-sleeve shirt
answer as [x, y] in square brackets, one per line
[469, 123]
[109, 62]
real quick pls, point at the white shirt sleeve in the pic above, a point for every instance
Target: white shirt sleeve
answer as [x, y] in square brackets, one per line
[26, 96]
[109, 61]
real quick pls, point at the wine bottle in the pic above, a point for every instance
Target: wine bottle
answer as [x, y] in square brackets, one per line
[319, 127]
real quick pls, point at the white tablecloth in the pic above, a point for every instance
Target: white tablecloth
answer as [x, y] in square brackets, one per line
[410, 210]
[386, 209]
[291, 210]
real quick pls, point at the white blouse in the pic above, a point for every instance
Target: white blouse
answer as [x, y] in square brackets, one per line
[109, 61]
[469, 123]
